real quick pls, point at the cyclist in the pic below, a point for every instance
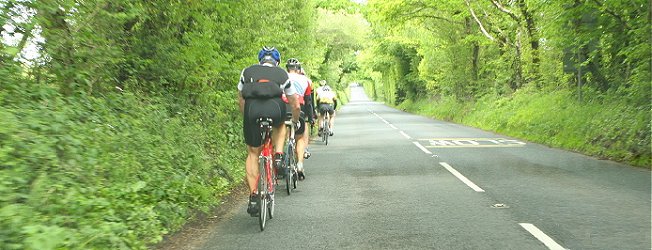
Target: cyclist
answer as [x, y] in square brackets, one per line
[302, 85]
[260, 89]
[327, 102]
[308, 110]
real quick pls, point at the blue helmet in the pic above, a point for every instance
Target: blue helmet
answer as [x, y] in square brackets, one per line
[267, 54]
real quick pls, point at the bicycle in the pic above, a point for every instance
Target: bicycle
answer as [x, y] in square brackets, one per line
[266, 176]
[325, 125]
[290, 160]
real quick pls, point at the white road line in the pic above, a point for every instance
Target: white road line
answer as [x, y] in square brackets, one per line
[461, 177]
[425, 150]
[541, 236]
[385, 121]
[392, 126]
[406, 135]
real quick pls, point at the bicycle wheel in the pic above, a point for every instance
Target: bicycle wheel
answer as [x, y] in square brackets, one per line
[287, 166]
[295, 175]
[327, 130]
[262, 193]
[324, 133]
[270, 197]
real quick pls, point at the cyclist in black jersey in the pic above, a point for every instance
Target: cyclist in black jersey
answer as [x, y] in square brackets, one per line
[260, 89]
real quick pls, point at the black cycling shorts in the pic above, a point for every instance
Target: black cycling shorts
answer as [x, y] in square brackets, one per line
[307, 112]
[325, 107]
[257, 108]
[302, 129]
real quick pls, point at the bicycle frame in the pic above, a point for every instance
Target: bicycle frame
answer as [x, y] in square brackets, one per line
[266, 176]
[326, 127]
[266, 156]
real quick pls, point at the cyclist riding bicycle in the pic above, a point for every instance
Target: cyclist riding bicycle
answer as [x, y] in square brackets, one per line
[309, 108]
[327, 102]
[302, 85]
[261, 87]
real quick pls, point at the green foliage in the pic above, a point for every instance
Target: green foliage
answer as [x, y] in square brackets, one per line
[529, 58]
[126, 124]
[112, 172]
[347, 6]
[339, 37]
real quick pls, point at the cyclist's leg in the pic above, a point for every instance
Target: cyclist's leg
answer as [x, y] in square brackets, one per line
[306, 141]
[253, 140]
[323, 108]
[252, 178]
[251, 167]
[331, 119]
[320, 118]
[301, 146]
[306, 135]
[278, 137]
[277, 113]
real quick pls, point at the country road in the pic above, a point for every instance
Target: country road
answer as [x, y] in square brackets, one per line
[394, 180]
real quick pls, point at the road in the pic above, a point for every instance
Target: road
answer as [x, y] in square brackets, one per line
[393, 180]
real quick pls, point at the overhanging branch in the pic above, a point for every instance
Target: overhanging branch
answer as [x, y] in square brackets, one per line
[505, 10]
[484, 31]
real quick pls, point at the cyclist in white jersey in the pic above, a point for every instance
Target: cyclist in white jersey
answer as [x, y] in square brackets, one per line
[302, 86]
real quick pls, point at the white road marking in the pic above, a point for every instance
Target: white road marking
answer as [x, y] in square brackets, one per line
[472, 142]
[541, 236]
[461, 177]
[385, 121]
[405, 135]
[425, 150]
[392, 126]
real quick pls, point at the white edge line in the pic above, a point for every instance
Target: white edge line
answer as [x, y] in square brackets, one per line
[405, 135]
[541, 236]
[392, 126]
[461, 177]
[425, 150]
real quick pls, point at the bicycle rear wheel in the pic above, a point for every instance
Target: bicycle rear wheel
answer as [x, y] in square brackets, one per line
[262, 193]
[270, 197]
[324, 135]
[287, 168]
[327, 130]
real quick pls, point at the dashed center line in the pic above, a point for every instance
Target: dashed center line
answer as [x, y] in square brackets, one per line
[461, 177]
[382, 119]
[476, 142]
[425, 150]
[541, 236]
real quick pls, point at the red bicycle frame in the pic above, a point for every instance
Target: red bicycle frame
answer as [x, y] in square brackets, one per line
[266, 153]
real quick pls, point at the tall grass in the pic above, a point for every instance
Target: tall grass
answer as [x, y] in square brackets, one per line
[600, 127]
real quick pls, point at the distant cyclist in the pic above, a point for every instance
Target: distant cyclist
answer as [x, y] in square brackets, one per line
[260, 89]
[302, 85]
[326, 102]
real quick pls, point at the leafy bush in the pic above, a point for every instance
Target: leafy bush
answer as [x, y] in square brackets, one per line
[114, 172]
